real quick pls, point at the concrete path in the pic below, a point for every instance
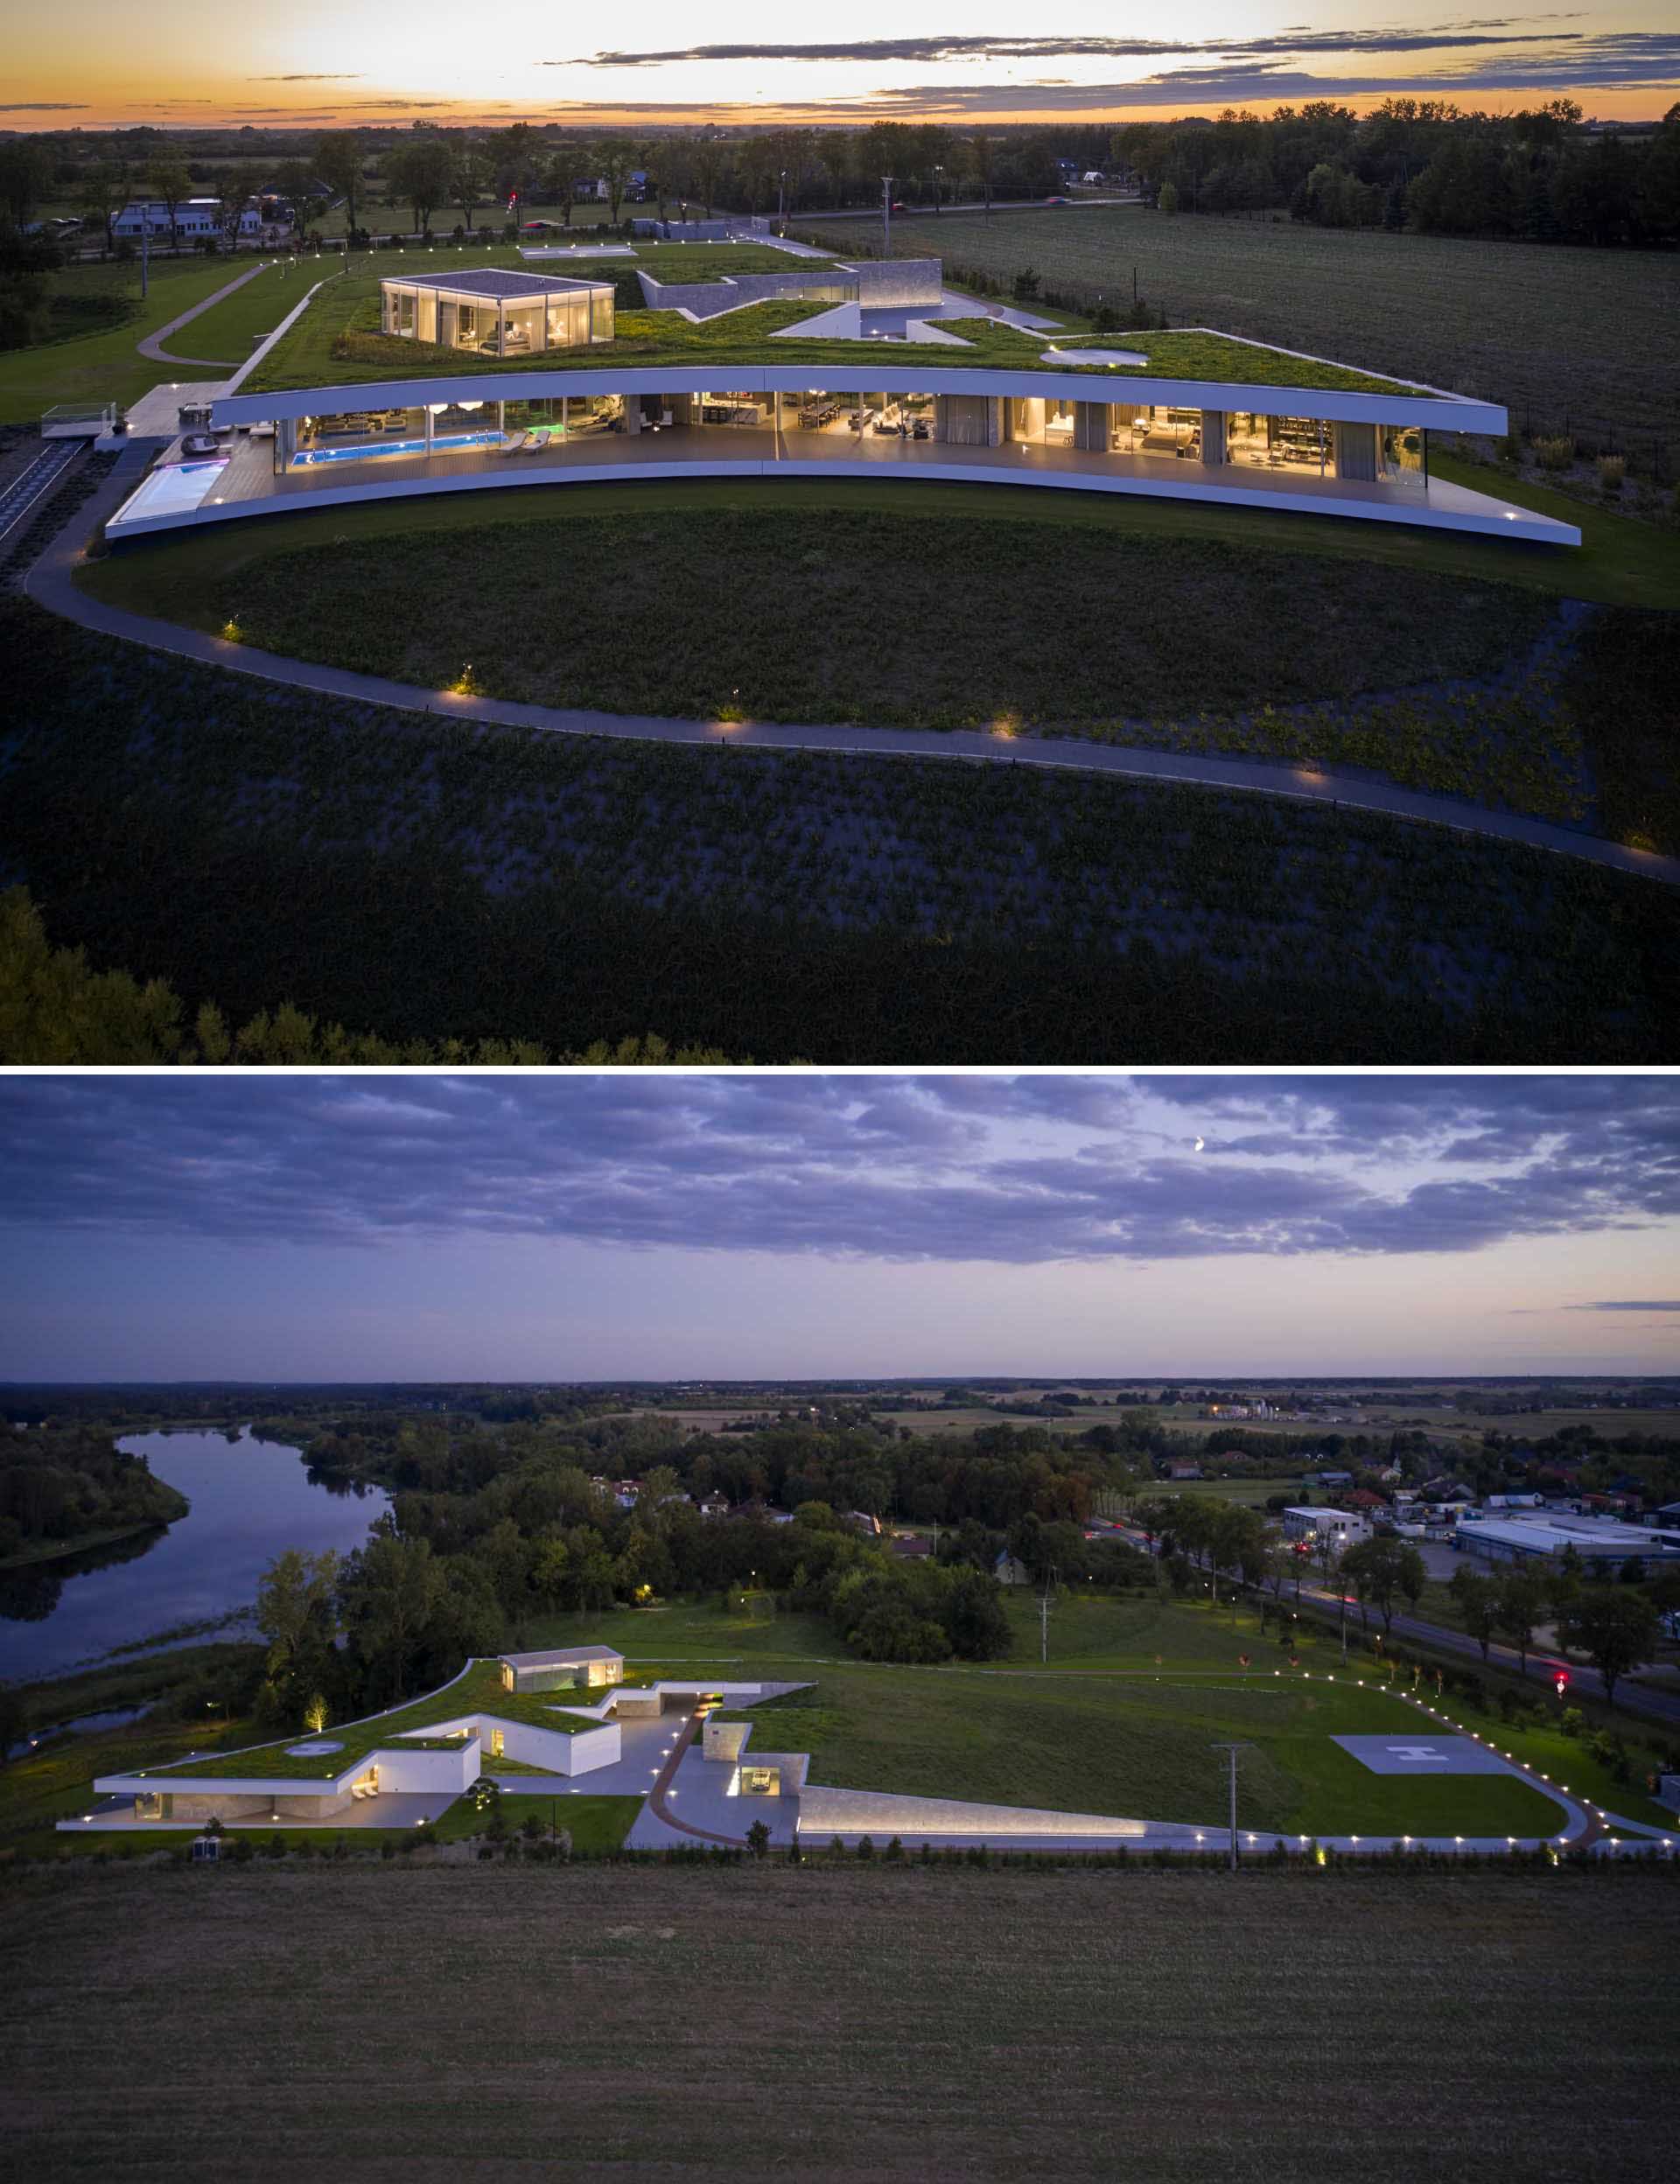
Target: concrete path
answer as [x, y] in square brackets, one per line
[50, 582]
[152, 344]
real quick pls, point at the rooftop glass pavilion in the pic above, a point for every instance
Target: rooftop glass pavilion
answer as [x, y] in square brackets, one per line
[497, 313]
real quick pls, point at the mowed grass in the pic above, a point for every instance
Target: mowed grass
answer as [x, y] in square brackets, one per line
[107, 366]
[842, 2023]
[1584, 339]
[1120, 1722]
[229, 330]
[550, 627]
[594, 1823]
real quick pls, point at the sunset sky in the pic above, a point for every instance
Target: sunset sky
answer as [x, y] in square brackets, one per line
[323, 63]
[738, 1227]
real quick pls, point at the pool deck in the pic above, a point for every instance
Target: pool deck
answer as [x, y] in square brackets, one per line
[249, 485]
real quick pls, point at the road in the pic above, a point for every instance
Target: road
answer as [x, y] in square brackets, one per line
[1636, 1699]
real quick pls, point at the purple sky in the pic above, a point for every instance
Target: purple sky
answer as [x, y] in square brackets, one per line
[741, 1226]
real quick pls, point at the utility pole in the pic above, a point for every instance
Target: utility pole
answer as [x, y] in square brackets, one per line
[887, 216]
[1231, 1751]
[781, 202]
[1044, 1618]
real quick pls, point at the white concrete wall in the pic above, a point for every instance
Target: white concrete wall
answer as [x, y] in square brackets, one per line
[405, 1767]
[875, 373]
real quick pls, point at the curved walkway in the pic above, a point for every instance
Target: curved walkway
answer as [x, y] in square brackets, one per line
[151, 345]
[51, 583]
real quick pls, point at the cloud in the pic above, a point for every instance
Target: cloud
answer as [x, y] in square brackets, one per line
[936, 48]
[1621, 1304]
[44, 106]
[300, 78]
[1020, 1171]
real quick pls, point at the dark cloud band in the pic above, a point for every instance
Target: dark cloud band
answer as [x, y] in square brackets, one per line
[1018, 1171]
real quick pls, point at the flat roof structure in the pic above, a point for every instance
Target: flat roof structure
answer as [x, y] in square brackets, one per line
[491, 284]
[479, 377]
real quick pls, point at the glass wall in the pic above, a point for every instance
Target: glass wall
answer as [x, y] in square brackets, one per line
[1280, 443]
[1153, 429]
[1403, 458]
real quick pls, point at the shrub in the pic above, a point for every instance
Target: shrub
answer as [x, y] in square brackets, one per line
[243, 1851]
[894, 1849]
[865, 1846]
[1555, 454]
[276, 1845]
[1612, 470]
[758, 1838]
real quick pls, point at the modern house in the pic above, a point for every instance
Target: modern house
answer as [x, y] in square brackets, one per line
[473, 379]
[497, 313]
[556, 1713]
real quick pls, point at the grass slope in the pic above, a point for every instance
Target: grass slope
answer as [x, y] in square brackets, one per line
[412, 876]
[549, 630]
[1587, 340]
[107, 366]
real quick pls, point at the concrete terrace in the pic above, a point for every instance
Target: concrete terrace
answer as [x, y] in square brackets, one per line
[249, 485]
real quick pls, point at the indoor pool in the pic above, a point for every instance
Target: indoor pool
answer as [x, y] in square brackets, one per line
[397, 447]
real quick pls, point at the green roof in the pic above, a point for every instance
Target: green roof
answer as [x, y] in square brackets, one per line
[478, 1690]
[336, 342]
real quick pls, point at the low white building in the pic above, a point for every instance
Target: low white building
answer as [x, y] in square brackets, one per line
[194, 217]
[1603, 1544]
[1311, 1526]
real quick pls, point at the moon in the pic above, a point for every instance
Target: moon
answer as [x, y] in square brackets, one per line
[1197, 1146]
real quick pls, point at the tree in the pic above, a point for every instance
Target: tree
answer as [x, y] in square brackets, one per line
[13, 1719]
[296, 1612]
[169, 182]
[974, 1621]
[614, 160]
[758, 1838]
[1478, 1602]
[25, 176]
[337, 161]
[105, 192]
[469, 176]
[1519, 1601]
[1615, 1628]
[1381, 1568]
[981, 144]
[420, 173]
[389, 1593]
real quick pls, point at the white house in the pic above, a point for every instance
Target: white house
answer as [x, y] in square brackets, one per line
[194, 217]
[1310, 1526]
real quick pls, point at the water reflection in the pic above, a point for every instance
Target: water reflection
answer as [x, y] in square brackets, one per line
[251, 1500]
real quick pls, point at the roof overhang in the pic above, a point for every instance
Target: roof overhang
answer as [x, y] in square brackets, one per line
[877, 371]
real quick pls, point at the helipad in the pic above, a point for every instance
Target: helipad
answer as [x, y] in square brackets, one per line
[1424, 1754]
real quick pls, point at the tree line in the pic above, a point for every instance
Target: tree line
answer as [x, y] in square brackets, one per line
[64, 1486]
[1541, 175]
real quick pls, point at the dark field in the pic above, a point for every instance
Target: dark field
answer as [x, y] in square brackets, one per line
[1566, 339]
[425, 880]
[839, 2023]
[914, 620]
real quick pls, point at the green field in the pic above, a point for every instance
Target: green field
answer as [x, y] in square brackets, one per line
[408, 876]
[228, 330]
[106, 366]
[1578, 339]
[849, 2025]
[1119, 1722]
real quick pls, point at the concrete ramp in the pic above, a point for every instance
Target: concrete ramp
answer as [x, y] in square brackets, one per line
[946, 1822]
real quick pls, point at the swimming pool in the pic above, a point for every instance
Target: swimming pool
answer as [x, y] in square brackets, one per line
[443, 441]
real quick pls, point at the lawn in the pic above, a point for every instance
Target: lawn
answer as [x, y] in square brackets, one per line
[1572, 339]
[337, 342]
[1120, 1721]
[550, 629]
[410, 875]
[594, 1823]
[107, 366]
[844, 2023]
[479, 1689]
[230, 329]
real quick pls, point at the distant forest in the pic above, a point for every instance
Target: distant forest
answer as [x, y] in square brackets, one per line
[1543, 175]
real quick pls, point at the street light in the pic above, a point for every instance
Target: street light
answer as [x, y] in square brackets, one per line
[1232, 1750]
[887, 216]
